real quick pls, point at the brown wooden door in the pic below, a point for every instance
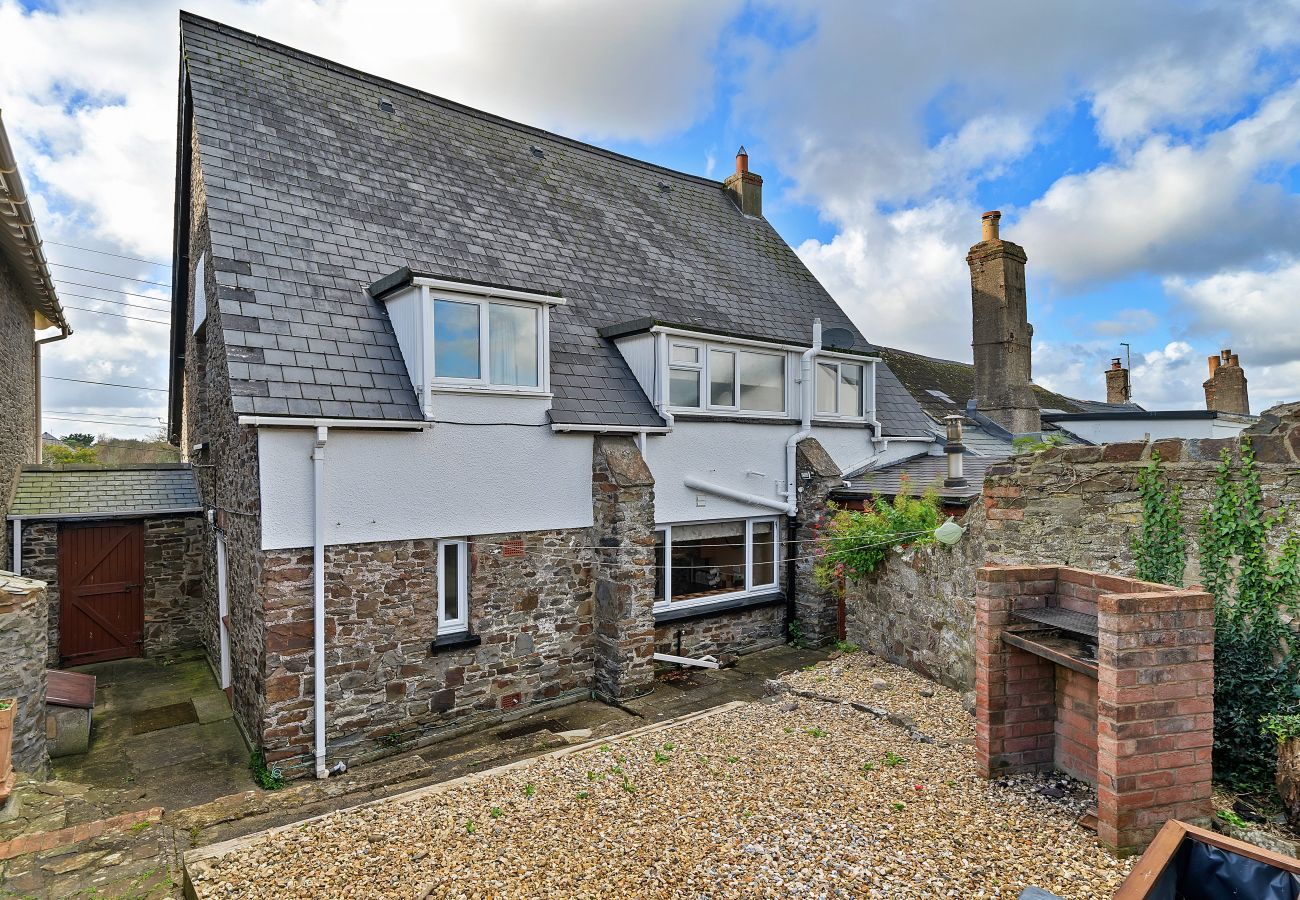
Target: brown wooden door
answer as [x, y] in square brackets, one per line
[101, 589]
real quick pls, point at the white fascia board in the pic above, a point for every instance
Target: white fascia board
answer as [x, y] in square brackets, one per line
[305, 422]
[612, 429]
[707, 337]
[473, 290]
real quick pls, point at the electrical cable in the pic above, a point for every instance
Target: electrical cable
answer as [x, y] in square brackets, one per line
[106, 253]
[100, 287]
[101, 312]
[111, 274]
[134, 387]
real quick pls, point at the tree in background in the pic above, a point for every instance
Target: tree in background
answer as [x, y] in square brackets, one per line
[58, 454]
[78, 440]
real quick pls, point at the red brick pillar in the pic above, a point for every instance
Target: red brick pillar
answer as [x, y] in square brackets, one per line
[1155, 713]
[1015, 691]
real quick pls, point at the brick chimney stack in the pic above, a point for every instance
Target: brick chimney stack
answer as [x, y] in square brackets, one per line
[1001, 335]
[1225, 389]
[745, 188]
[1118, 389]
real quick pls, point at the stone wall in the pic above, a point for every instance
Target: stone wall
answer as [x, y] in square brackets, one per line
[172, 575]
[623, 530]
[22, 648]
[531, 608]
[227, 468]
[1074, 506]
[17, 388]
[816, 609]
[917, 609]
[733, 632]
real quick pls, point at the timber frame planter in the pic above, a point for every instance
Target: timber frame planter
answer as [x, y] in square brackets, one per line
[8, 708]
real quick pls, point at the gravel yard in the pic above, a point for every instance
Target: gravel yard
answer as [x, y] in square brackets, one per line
[793, 797]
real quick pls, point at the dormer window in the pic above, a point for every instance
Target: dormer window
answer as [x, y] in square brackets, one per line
[463, 337]
[494, 343]
[840, 389]
[725, 378]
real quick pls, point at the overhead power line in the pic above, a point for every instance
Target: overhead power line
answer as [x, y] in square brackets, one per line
[165, 284]
[131, 303]
[101, 312]
[103, 414]
[106, 253]
[102, 422]
[100, 287]
[134, 387]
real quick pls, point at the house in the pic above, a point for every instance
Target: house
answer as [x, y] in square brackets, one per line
[28, 304]
[978, 410]
[484, 417]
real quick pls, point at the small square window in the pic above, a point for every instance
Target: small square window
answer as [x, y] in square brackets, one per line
[684, 387]
[685, 354]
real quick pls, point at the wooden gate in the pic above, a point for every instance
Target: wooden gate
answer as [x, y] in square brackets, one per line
[101, 591]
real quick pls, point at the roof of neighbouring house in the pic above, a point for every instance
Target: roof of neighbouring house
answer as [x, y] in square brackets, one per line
[943, 386]
[20, 243]
[321, 180]
[71, 492]
[921, 473]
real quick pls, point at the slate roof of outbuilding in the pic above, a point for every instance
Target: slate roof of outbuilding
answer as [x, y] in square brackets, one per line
[315, 192]
[80, 491]
[921, 473]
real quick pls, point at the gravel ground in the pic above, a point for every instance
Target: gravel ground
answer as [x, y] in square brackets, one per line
[787, 798]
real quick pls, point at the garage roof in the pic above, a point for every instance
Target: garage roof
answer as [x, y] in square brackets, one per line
[73, 492]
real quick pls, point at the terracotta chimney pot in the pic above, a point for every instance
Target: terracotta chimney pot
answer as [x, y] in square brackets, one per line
[990, 222]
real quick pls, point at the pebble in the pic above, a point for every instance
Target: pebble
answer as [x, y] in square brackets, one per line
[819, 800]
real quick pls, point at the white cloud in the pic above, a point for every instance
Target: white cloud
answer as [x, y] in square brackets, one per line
[1127, 322]
[1164, 378]
[1174, 206]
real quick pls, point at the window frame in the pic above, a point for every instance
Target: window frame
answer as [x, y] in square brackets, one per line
[665, 601]
[459, 625]
[838, 365]
[484, 383]
[703, 370]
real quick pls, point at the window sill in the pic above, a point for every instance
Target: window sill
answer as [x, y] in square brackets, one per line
[498, 390]
[722, 607]
[457, 640]
[694, 415]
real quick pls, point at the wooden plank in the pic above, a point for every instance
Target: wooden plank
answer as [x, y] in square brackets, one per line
[1161, 850]
[74, 689]
[1024, 641]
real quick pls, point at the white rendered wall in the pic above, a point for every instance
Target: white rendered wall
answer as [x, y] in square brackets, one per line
[1109, 432]
[448, 481]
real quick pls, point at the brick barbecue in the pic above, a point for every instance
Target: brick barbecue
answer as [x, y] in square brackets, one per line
[1108, 679]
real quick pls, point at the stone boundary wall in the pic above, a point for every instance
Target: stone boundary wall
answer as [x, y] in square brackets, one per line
[1075, 506]
[23, 645]
[729, 632]
[173, 572]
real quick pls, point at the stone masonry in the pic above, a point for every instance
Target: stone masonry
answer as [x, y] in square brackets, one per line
[1075, 506]
[1138, 722]
[624, 531]
[817, 610]
[17, 388]
[172, 575]
[531, 609]
[733, 632]
[22, 647]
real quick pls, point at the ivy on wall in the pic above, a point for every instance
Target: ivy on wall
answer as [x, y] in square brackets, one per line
[855, 543]
[1256, 593]
[1160, 549]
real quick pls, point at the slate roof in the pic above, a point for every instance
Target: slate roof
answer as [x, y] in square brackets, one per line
[922, 472]
[84, 491]
[315, 191]
[943, 386]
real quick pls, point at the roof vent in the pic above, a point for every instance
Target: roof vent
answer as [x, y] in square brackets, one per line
[537, 151]
[665, 186]
[387, 106]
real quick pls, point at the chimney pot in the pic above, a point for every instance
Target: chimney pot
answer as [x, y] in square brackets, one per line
[990, 222]
[742, 161]
[1214, 365]
[1115, 363]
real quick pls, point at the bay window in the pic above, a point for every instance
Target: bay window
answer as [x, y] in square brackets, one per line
[704, 378]
[840, 389]
[487, 343]
[699, 562]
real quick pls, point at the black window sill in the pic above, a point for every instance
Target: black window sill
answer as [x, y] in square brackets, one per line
[457, 641]
[722, 607]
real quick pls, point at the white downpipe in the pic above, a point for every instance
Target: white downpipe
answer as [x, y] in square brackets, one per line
[18, 547]
[318, 592]
[806, 400]
[704, 662]
[661, 378]
[223, 611]
[730, 494]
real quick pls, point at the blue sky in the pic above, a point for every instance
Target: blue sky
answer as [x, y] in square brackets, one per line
[1144, 153]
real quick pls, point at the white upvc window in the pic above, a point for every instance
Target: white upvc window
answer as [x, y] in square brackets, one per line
[703, 562]
[841, 389]
[489, 343]
[453, 586]
[709, 377]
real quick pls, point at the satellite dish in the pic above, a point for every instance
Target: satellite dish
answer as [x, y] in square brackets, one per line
[840, 338]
